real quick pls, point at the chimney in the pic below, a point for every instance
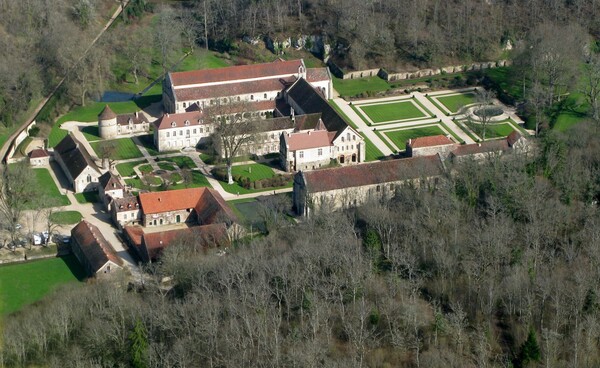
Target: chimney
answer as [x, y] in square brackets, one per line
[159, 199]
[293, 115]
[136, 114]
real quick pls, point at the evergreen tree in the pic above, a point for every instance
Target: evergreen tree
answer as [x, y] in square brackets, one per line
[530, 350]
[138, 339]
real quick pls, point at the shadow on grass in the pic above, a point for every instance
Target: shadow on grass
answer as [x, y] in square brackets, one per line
[145, 101]
[92, 131]
[74, 266]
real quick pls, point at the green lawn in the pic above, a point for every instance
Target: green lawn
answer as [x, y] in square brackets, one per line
[46, 186]
[198, 180]
[25, 283]
[399, 137]
[183, 162]
[392, 111]
[167, 166]
[495, 130]
[87, 197]
[145, 169]
[126, 168]
[574, 110]
[253, 172]
[202, 59]
[353, 87]
[148, 142]
[66, 217]
[91, 133]
[125, 149]
[455, 102]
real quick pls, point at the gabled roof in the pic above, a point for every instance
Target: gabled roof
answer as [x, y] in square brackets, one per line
[307, 140]
[430, 141]
[309, 121]
[372, 173]
[317, 74]
[107, 114]
[233, 73]
[497, 146]
[150, 245]
[169, 121]
[208, 203]
[312, 102]
[94, 246]
[74, 156]
[109, 181]
[233, 89]
[128, 203]
[513, 138]
[135, 118]
[38, 153]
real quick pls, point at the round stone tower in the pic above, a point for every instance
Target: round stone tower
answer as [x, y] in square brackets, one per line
[107, 123]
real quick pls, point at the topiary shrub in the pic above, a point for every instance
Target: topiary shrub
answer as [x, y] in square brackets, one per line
[220, 173]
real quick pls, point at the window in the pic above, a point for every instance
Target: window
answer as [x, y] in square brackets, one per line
[89, 178]
[168, 134]
[353, 137]
[239, 98]
[320, 152]
[201, 130]
[301, 154]
[194, 131]
[187, 122]
[265, 95]
[378, 188]
[125, 216]
[342, 139]
[252, 97]
[173, 124]
[181, 132]
[348, 136]
[184, 105]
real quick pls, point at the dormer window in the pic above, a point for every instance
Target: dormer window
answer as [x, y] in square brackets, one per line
[173, 124]
[187, 122]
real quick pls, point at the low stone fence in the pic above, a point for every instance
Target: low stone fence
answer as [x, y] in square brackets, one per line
[19, 139]
[391, 77]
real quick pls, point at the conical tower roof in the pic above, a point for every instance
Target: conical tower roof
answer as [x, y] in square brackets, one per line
[107, 114]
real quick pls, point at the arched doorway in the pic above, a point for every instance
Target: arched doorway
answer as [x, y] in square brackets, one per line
[354, 157]
[161, 221]
[342, 159]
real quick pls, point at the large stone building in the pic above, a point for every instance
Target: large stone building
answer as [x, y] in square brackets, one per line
[111, 125]
[79, 168]
[93, 251]
[251, 83]
[352, 186]
[330, 139]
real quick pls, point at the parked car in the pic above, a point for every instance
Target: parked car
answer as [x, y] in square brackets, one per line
[37, 239]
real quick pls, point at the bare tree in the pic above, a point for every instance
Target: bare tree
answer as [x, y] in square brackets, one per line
[485, 98]
[167, 36]
[17, 193]
[591, 87]
[233, 127]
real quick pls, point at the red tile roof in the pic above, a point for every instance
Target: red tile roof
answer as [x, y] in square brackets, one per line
[233, 89]
[38, 152]
[208, 203]
[430, 141]
[171, 200]
[307, 140]
[317, 74]
[232, 73]
[95, 248]
[372, 173]
[135, 118]
[128, 203]
[513, 137]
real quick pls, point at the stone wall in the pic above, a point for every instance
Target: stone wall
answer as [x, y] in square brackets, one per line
[19, 139]
[361, 74]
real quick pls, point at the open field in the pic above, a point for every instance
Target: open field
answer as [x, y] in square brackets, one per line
[353, 87]
[400, 110]
[46, 187]
[126, 168]
[494, 130]
[66, 217]
[25, 283]
[399, 137]
[125, 148]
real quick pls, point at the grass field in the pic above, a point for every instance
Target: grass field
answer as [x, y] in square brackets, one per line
[91, 133]
[126, 168]
[125, 149]
[87, 197]
[372, 153]
[183, 162]
[148, 142]
[25, 283]
[167, 166]
[399, 137]
[145, 169]
[455, 102]
[253, 172]
[353, 87]
[66, 217]
[492, 130]
[392, 111]
[46, 186]
[198, 180]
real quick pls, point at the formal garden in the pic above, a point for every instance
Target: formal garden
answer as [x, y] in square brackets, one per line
[252, 178]
[386, 112]
[174, 172]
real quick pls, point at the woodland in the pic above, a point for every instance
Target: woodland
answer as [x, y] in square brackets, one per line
[496, 265]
